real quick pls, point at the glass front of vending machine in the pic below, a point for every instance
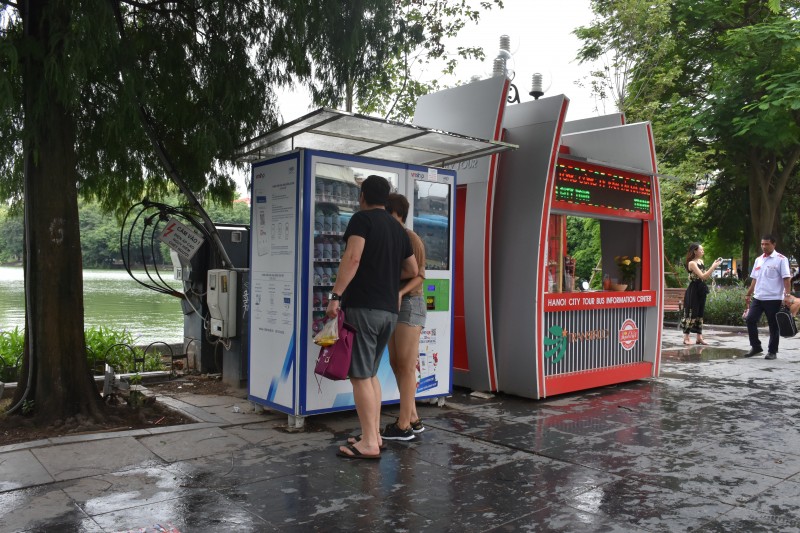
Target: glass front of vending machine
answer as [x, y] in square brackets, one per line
[323, 201]
[432, 206]
[336, 186]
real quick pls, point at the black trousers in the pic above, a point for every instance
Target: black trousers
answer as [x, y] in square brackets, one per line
[757, 308]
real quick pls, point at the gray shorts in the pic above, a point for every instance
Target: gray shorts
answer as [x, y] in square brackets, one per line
[413, 311]
[373, 327]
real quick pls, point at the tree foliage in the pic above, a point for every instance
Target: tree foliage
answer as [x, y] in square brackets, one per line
[723, 96]
[583, 242]
[369, 57]
[627, 39]
[108, 100]
[10, 236]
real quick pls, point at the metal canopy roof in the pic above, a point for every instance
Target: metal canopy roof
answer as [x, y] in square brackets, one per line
[346, 133]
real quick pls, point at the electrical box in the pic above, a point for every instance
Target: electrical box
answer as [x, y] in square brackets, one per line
[181, 268]
[221, 298]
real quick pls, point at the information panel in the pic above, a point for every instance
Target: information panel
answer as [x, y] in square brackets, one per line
[591, 188]
[272, 315]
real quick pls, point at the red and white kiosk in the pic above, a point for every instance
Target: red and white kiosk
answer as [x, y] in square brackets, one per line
[528, 330]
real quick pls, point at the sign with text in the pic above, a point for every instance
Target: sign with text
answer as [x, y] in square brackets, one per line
[595, 189]
[181, 238]
[571, 301]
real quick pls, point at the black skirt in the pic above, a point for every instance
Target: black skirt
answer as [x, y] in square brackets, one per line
[694, 307]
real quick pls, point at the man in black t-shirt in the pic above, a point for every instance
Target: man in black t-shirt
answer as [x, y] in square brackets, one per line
[378, 255]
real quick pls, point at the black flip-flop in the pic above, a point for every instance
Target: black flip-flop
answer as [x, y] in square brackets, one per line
[357, 438]
[356, 454]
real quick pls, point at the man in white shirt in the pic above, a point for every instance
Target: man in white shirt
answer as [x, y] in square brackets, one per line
[769, 287]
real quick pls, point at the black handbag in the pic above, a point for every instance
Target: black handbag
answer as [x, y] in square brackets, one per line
[787, 327]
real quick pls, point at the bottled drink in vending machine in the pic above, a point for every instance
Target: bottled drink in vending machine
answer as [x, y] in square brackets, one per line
[319, 220]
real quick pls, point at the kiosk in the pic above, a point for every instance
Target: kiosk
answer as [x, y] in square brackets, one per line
[546, 336]
[474, 363]
[302, 199]
[550, 336]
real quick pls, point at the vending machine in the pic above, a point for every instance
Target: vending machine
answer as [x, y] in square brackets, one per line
[301, 203]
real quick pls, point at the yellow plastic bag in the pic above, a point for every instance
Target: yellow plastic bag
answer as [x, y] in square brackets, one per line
[329, 333]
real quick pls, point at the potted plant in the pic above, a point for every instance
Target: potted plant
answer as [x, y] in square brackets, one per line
[628, 267]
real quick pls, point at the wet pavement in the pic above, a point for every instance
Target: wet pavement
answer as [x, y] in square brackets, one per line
[711, 445]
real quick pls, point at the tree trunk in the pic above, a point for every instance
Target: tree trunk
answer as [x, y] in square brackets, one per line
[746, 247]
[62, 384]
[767, 180]
[348, 97]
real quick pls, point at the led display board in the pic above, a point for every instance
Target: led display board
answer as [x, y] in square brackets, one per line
[595, 189]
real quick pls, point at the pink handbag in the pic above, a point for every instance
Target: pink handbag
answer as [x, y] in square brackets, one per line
[333, 361]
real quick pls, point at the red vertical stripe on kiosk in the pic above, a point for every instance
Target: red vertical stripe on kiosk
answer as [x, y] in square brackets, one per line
[460, 359]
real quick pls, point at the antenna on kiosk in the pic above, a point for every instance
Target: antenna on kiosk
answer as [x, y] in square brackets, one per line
[536, 86]
[500, 68]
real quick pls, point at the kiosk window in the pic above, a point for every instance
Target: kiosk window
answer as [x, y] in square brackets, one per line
[588, 249]
[432, 222]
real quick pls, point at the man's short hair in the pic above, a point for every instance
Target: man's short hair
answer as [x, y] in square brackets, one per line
[397, 203]
[375, 190]
[768, 237]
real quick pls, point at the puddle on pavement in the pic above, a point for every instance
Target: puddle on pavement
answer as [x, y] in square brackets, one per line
[699, 354]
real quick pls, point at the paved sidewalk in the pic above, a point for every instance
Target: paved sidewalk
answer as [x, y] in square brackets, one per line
[711, 445]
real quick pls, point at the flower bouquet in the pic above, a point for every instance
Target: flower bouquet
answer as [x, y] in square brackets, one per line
[628, 267]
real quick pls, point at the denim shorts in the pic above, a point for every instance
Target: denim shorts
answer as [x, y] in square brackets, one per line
[413, 311]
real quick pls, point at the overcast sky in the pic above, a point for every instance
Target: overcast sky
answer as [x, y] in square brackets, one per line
[541, 41]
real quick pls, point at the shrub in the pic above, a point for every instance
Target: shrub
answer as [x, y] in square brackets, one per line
[115, 347]
[725, 307]
[11, 346]
[728, 282]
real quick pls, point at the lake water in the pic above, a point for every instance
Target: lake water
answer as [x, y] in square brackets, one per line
[112, 299]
